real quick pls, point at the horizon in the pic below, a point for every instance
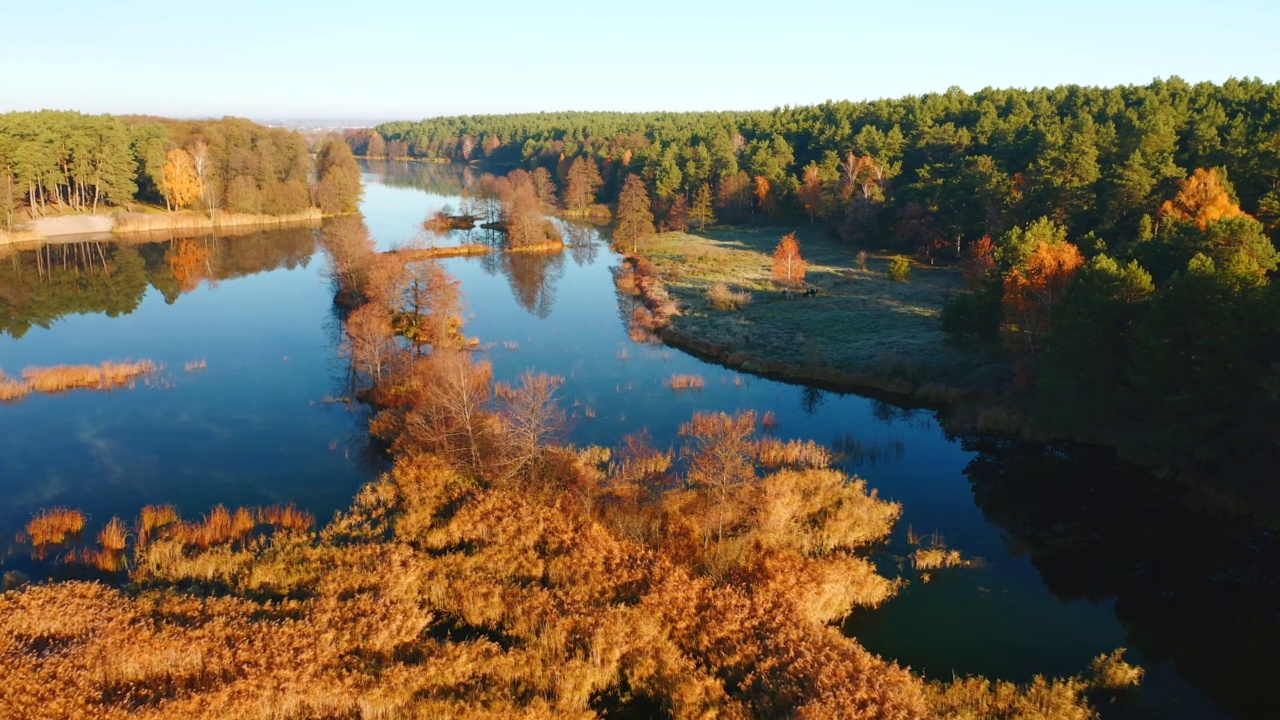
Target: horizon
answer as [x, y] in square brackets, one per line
[574, 56]
[307, 122]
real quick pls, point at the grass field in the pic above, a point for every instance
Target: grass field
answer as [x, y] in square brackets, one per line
[861, 329]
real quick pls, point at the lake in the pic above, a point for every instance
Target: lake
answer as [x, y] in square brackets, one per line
[1080, 553]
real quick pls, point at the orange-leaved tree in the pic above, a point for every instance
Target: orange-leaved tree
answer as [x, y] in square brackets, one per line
[1204, 198]
[1033, 286]
[789, 267]
[765, 198]
[811, 191]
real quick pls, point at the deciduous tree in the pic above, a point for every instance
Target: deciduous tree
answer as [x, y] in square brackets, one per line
[811, 191]
[635, 216]
[1204, 198]
[583, 182]
[338, 188]
[1033, 287]
[181, 183]
[718, 449]
[370, 343]
[789, 268]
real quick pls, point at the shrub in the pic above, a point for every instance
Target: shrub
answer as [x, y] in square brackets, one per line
[899, 268]
[724, 299]
[972, 315]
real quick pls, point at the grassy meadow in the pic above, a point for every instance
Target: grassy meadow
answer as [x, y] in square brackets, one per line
[861, 330]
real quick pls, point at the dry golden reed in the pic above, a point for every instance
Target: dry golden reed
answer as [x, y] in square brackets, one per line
[60, 378]
[55, 526]
[153, 518]
[286, 517]
[686, 382]
[139, 223]
[114, 537]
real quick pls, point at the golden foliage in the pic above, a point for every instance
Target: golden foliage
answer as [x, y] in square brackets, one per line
[773, 453]
[935, 558]
[182, 184]
[789, 268]
[1031, 289]
[189, 260]
[1203, 198]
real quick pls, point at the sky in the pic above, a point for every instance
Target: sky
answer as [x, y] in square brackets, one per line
[401, 59]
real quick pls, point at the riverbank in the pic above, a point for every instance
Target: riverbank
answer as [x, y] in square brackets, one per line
[133, 223]
[857, 331]
[144, 222]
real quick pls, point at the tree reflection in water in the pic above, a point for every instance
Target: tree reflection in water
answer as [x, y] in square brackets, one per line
[1193, 587]
[40, 285]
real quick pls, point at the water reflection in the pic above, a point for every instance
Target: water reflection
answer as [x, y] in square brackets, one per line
[533, 276]
[38, 286]
[1191, 587]
[432, 178]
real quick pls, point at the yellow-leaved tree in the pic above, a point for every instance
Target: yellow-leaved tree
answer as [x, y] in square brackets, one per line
[181, 183]
[1203, 198]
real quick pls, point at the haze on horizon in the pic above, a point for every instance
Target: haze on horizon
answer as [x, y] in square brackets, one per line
[394, 59]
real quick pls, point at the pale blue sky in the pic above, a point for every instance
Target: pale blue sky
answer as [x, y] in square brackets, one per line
[401, 59]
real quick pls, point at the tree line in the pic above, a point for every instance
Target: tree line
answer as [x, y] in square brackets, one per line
[1164, 345]
[932, 172]
[55, 161]
[1119, 241]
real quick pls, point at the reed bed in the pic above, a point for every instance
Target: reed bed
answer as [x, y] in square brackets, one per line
[136, 223]
[195, 365]
[937, 558]
[286, 517]
[686, 382]
[11, 389]
[775, 453]
[436, 253]
[153, 518]
[55, 526]
[60, 378]
[115, 536]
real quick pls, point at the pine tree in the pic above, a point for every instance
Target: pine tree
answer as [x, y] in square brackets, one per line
[703, 212]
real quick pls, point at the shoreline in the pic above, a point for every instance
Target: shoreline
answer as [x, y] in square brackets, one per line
[967, 408]
[128, 224]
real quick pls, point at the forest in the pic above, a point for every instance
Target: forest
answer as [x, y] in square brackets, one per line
[1118, 242]
[53, 162]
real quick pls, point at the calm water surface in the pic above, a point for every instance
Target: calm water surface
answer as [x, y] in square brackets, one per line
[1064, 579]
